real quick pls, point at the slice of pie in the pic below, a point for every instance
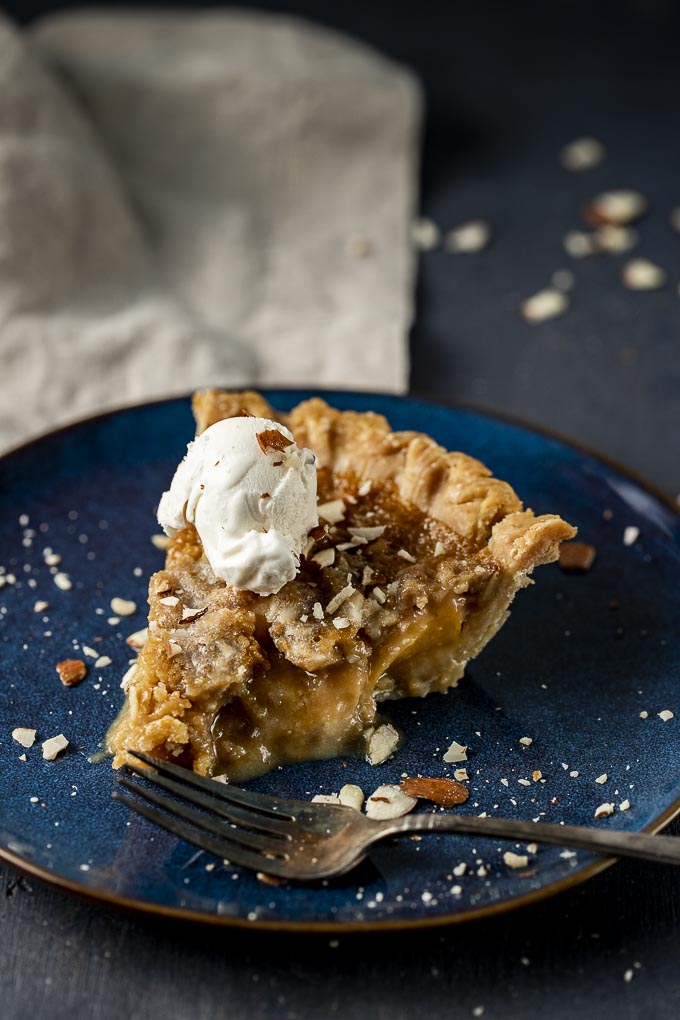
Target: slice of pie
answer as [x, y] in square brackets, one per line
[421, 554]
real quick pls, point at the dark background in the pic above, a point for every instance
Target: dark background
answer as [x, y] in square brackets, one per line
[507, 84]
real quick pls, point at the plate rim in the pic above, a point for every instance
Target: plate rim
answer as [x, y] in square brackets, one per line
[147, 908]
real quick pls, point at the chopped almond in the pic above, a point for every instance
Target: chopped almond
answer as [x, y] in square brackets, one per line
[71, 671]
[618, 207]
[445, 792]
[576, 557]
[272, 439]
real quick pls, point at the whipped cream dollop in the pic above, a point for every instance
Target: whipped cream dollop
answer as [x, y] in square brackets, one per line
[250, 491]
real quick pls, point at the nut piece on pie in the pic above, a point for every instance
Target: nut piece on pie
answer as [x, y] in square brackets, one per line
[420, 555]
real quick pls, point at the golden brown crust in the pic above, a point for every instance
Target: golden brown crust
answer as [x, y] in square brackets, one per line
[210, 406]
[452, 487]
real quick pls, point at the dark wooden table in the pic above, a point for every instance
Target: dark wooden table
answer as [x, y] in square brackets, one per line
[507, 85]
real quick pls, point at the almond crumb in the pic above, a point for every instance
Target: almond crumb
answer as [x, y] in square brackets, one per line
[425, 234]
[630, 534]
[123, 607]
[54, 746]
[445, 792]
[333, 511]
[273, 439]
[382, 743]
[619, 207]
[324, 558]
[576, 557]
[641, 274]
[138, 639]
[405, 555]
[71, 671]
[546, 304]
[604, 810]
[512, 860]
[456, 752]
[24, 736]
[268, 879]
[468, 238]
[389, 802]
[582, 154]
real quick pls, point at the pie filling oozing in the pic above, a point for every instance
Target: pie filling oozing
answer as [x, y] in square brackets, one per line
[418, 558]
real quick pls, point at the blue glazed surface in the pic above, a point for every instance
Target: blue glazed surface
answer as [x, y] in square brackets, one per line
[567, 670]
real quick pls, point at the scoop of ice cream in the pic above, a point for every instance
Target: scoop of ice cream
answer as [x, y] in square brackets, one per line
[251, 493]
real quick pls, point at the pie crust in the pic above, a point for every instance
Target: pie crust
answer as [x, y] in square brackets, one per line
[428, 552]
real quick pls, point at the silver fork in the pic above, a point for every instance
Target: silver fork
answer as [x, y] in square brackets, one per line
[296, 839]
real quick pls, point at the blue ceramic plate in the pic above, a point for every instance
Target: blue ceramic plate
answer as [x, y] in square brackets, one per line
[579, 661]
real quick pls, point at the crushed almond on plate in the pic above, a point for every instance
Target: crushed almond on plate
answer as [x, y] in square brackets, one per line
[641, 274]
[54, 746]
[387, 802]
[576, 557]
[425, 234]
[382, 743]
[24, 736]
[456, 752]
[579, 245]
[582, 154]
[71, 671]
[546, 304]
[468, 238]
[445, 792]
[619, 207]
[123, 607]
[513, 860]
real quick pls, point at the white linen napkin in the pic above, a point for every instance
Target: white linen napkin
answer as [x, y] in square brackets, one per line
[198, 198]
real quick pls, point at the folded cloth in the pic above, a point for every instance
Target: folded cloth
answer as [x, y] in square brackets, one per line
[194, 198]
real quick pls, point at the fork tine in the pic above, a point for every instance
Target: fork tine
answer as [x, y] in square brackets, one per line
[232, 812]
[238, 837]
[276, 806]
[221, 848]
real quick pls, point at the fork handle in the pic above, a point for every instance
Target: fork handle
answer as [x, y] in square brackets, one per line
[662, 849]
